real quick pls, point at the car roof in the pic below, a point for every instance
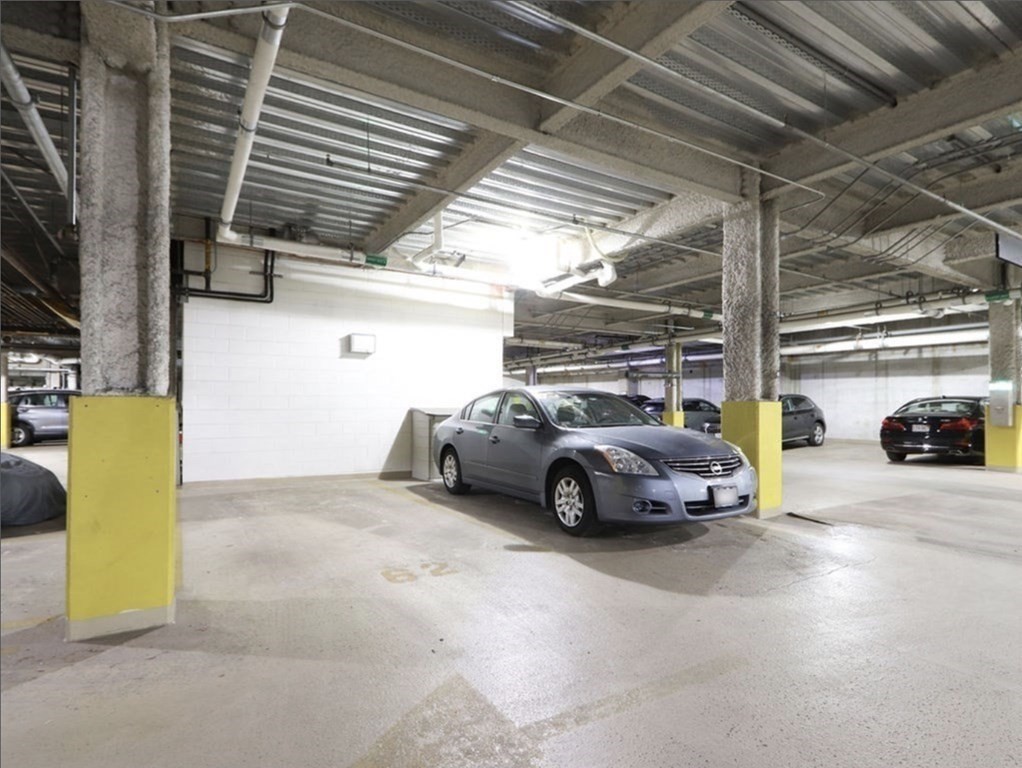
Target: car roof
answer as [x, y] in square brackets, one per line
[44, 390]
[977, 398]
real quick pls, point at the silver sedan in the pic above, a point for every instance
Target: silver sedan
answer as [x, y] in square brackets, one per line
[592, 457]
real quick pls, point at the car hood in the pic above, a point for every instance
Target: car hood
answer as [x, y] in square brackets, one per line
[657, 442]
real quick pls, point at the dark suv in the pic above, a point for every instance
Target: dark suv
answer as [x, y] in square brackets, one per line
[802, 419]
[39, 414]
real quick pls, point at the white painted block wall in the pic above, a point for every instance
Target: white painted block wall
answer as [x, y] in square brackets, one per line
[269, 391]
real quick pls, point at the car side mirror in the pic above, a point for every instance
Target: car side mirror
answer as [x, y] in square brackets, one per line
[527, 422]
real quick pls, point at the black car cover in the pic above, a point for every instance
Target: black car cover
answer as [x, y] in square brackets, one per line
[29, 493]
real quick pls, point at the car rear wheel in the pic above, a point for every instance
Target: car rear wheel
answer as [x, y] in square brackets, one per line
[816, 436]
[450, 468]
[21, 435]
[573, 502]
[896, 456]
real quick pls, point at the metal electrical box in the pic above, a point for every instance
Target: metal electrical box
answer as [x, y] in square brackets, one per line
[424, 424]
[1002, 403]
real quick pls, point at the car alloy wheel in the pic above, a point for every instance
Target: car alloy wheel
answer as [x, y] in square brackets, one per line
[569, 503]
[816, 438]
[20, 436]
[450, 469]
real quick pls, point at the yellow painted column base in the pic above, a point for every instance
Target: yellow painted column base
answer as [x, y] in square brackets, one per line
[1004, 444]
[5, 425]
[122, 509]
[755, 427]
[673, 418]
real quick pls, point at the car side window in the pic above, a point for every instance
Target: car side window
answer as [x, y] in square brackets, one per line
[484, 408]
[516, 404]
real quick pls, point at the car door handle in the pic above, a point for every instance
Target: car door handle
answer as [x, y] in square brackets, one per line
[459, 430]
[494, 439]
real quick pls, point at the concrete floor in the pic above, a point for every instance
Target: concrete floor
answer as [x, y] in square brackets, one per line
[385, 624]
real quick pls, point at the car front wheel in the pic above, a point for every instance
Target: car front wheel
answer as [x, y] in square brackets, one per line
[816, 436]
[573, 502]
[450, 468]
[21, 435]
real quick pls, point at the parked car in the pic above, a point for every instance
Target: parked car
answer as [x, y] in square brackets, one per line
[951, 426]
[593, 458]
[700, 414]
[802, 419]
[638, 400]
[39, 414]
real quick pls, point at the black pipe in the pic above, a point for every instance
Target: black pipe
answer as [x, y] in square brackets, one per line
[182, 287]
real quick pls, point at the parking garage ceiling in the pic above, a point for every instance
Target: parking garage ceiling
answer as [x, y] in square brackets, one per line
[890, 132]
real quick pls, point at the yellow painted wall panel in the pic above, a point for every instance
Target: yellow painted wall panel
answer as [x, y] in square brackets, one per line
[5, 425]
[1004, 444]
[755, 427]
[122, 505]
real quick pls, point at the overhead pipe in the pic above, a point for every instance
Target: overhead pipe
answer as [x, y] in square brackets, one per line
[419, 259]
[72, 145]
[640, 306]
[26, 107]
[894, 312]
[601, 270]
[890, 342]
[852, 345]
[263, 60]
[921, 307]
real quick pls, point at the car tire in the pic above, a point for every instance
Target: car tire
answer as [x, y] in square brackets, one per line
[573, 502]
[896, 456]
[21, 435]
[815, 438]
[450, 471]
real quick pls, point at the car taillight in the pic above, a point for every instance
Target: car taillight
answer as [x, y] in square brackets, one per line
[958, 425]
[893, 425]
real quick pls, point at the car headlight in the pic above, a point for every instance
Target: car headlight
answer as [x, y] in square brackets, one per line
[625, 462]
[740, 452]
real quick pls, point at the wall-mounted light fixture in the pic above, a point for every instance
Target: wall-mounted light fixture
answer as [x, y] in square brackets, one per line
[359, 344]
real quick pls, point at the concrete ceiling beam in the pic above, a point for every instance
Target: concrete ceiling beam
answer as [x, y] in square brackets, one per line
[957, 103]
[340, 54]
[586, 77]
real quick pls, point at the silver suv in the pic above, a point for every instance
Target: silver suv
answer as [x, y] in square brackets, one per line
[39, 414]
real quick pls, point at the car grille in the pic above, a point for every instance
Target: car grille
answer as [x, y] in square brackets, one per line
[700, 508]
[704, 466]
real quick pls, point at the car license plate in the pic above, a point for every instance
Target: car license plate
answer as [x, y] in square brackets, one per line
[920, 427]
[725, 495]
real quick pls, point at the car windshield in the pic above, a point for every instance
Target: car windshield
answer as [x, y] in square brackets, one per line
[963, 407]
[592, 409]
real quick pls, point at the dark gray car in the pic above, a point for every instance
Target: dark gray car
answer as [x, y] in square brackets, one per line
[592, 457]
[802, 419]
[39, 414]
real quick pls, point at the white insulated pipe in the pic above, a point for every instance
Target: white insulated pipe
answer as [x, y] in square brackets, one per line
[308, 250]
[639, 306]
[891, 342]
[259, 80]
[419, 259]
[22, 99]
[970, 302]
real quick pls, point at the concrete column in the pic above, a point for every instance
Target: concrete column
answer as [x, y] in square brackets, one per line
[1004, 417]
[531, 377]
[751, 413]
[673, 411]
[5, 408]
[122, 501]
[770, 266]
